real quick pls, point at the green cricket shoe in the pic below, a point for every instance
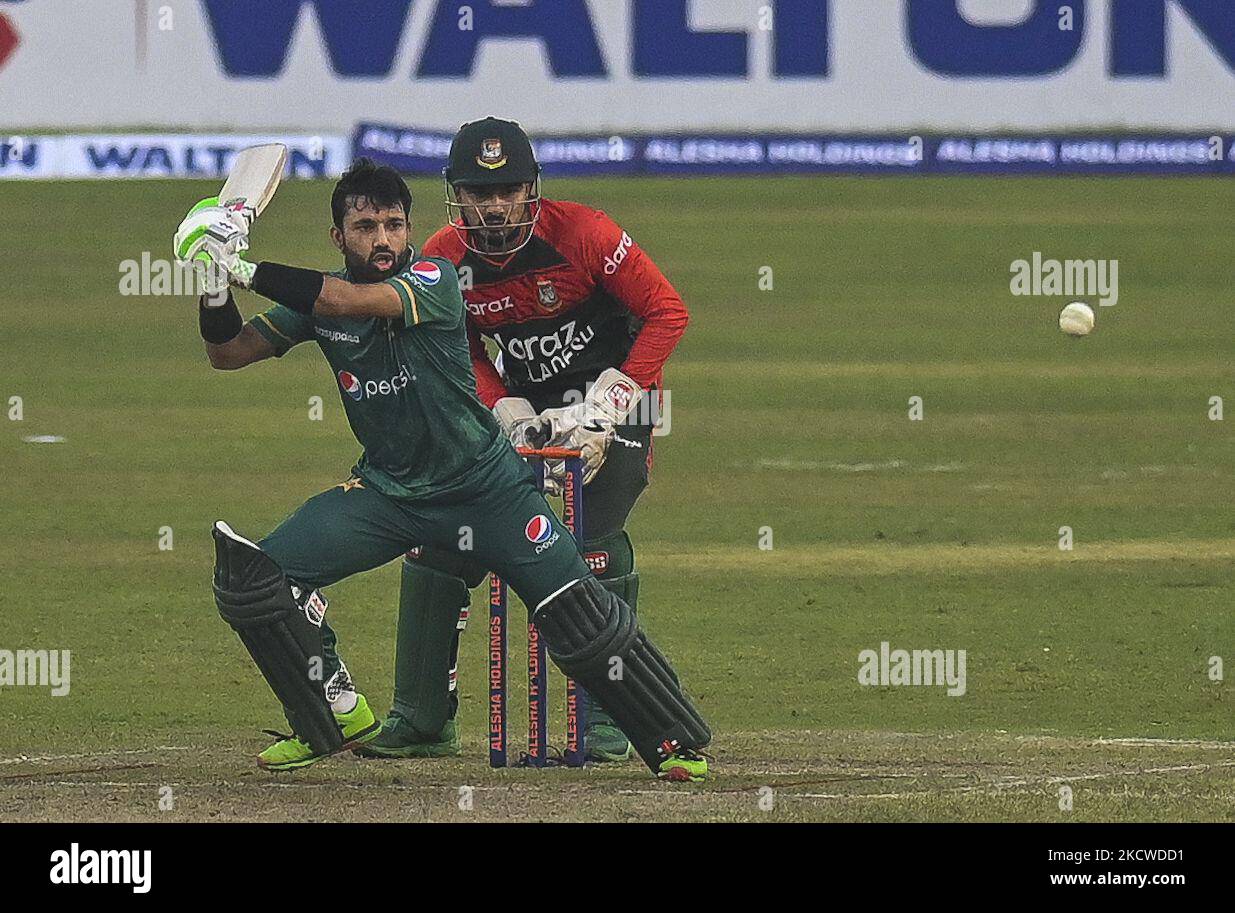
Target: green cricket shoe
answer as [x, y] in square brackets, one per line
[289, 753]
[684, 766]
[399, 739]
[605, 742]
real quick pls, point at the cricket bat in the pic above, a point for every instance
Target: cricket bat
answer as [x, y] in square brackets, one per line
[252, 182]
[254, 178]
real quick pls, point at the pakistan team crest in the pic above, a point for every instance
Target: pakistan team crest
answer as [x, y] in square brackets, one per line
[547, 293]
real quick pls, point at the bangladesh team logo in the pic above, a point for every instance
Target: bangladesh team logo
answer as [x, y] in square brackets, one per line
[351, 385]
[491, 155]
[428, 273]
[538, 529]
[550, 300]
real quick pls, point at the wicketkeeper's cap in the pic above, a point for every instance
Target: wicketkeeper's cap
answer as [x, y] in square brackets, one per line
[491, 151]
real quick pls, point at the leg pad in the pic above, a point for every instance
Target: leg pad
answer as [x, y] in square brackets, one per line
[595, 638]
[283, 636]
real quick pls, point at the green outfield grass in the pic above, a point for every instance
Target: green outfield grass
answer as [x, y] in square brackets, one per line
[789, 411]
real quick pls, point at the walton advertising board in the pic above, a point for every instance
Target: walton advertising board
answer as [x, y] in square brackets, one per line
[625, 65]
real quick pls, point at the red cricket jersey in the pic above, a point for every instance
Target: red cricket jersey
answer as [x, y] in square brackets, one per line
[580, 297]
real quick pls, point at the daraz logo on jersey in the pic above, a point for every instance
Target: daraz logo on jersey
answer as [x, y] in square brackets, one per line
[619, 255]
[358, 390]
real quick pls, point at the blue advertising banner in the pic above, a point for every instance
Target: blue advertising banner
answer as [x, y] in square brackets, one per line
[416, 151]
[599, 67]
[104, 156]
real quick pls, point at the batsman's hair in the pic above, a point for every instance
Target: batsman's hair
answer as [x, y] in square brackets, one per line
[380, 185]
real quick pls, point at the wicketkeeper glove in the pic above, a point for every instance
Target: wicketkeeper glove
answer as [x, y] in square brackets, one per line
[590, 426]
[525, 428]
[519, 421]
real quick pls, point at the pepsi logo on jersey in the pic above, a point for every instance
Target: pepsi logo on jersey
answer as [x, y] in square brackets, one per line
[425, 272]
[350, 384]
[540, 531]
[358, 390]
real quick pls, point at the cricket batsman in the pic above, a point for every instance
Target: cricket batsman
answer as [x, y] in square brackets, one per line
[435, 462]
[584, 322]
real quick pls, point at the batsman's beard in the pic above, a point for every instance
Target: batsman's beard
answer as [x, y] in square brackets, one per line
[365, 270]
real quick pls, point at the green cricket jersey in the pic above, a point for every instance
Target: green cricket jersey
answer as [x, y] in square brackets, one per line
[406, 384]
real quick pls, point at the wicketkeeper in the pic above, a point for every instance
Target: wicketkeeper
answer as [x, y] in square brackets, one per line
[584, 322]
[436, 471]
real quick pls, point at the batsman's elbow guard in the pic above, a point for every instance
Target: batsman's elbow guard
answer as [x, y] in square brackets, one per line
[283, 637]
[595, 638]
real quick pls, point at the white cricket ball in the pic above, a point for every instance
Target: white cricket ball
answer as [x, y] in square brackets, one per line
[1076, 319]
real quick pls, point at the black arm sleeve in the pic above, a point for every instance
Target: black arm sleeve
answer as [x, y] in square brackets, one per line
[289, 286]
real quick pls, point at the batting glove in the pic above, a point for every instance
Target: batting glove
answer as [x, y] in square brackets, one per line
[212, 239]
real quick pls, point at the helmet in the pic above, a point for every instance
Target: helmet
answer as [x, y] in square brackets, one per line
[488, 153]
